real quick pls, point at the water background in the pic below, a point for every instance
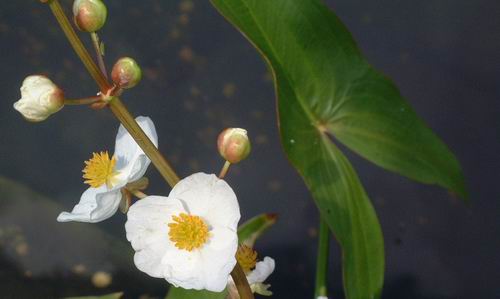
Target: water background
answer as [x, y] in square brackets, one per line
[200, 76]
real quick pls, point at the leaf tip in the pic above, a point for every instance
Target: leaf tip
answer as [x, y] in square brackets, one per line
[271, 217]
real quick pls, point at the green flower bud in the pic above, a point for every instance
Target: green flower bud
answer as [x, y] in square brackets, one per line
[126, 73]
[233, 144]
[89, 15]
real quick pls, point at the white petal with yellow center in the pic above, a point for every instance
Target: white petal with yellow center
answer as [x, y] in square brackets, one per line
[208, 264]
[99, 203]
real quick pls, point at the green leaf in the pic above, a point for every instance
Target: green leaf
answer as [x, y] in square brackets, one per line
[251, 230]
[375, 122]
[109, 296]
[180, 293]
[326, 90]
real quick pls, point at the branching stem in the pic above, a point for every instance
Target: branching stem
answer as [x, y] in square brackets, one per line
[117, 107]
[78, 46]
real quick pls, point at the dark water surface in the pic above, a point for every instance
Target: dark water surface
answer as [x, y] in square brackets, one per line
[201, 75]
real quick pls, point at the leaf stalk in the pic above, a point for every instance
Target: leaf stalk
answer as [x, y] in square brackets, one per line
[322, 259]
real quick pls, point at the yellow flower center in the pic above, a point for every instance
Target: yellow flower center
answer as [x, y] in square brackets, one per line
[188, 231]
[246, 257]
[99, 170]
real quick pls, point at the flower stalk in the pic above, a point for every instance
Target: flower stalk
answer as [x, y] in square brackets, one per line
[322, 261]
[224, 169]
[78, 46]
[82, 101]
[124, 116]
[241, 282]
[99, 53]
[139, 194]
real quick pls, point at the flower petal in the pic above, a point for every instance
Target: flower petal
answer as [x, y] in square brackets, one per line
[149, 262]
[183, 268]
[147, 230]
[218, 258]
[96, 204]
[147, 220]
[132, 162]
[209, 197]
[262, 271]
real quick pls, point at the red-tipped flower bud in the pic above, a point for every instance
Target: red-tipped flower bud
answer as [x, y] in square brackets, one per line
[89, 15]
[126, 73]
[233, 144]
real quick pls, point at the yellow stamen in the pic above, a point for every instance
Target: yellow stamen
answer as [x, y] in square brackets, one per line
[246, 257]
[188, 231]
[99, 170]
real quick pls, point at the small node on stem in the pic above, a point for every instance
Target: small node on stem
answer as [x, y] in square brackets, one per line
[126, 73]
[89, 15]
[106, 98]
[233, 144]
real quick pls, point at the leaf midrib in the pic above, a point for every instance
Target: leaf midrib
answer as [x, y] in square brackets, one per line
[310, 115]
[329, 146]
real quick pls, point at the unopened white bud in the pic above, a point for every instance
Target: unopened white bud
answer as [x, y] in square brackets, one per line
[40, 98]
[233, 144]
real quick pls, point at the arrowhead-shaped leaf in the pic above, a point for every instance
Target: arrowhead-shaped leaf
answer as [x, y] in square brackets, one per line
[326, 90]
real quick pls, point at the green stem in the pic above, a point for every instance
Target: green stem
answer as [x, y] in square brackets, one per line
[117, 107]
[128, 121]
[241, 282]
[139, 194]
[83, 101]
[78, 46]
[322, 261]
[224, 170]
[99, 53]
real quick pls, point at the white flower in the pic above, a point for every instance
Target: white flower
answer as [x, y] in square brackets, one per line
[257, 277]
[190, 237]
[322, 297]
[40, 98]
[107, 176]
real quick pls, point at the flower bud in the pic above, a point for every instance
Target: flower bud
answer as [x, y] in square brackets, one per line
[233, 144]
[89, 15]
[40, 98]
[126, 73]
